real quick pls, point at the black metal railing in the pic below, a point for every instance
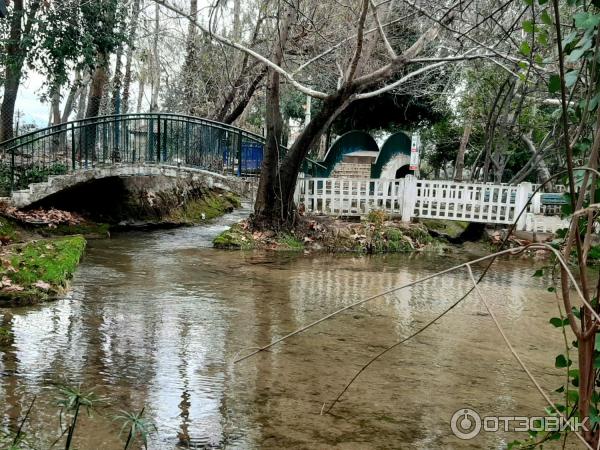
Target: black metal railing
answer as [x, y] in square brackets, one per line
[143, 138]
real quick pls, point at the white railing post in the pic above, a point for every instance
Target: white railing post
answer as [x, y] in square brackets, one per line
[522, 196]
[409, 198]
[299, 187]
[536, 203]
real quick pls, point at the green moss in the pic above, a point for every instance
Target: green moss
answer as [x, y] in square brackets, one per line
[288, 241]
[51, 261]
[207, 207]
[452, 228]
[87, 229]
[234, 238]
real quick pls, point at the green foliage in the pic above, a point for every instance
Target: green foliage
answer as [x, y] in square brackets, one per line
[73, 34]
[290, 241]
[70, 402]
[137, 427]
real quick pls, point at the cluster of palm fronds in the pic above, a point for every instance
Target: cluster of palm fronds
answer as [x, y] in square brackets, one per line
[71, 401]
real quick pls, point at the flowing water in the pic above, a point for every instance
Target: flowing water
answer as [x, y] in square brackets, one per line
[155, 319]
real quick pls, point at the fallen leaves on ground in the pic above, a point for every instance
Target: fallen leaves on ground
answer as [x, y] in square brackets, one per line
[8, 286]
[51, 217]
[42, 285]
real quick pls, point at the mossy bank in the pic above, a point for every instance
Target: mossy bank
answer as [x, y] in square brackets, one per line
[375, 234]
[38, 270]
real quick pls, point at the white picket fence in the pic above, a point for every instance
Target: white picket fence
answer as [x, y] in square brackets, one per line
[349, 196]
[409, 197]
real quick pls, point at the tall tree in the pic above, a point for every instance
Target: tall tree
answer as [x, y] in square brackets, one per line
[129, 56]
[15, 52]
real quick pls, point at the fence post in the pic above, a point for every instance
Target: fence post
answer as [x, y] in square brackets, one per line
[73, 154]
[299, 188]
[536, 203]
[239, 152]
[409, 197]
[524, 190]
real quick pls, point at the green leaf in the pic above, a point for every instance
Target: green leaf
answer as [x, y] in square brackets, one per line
[561, 361]
[586, 20]
[525, 48]
[578, 176]
[571, 78]
[538, 273]
[554, 84]
[558, 322]
[594, 253]
[551, 289]
[575, 55]
[573, 396]
[569, 38]
[546, 17]
[528, 26]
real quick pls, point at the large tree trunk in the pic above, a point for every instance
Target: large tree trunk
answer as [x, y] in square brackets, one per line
[129, 58]
[83, 95]
[274, 204]
[16, 51]
[70, 102]
[99, 79]
[117, 82]
[459, 165]
[268, 209]
[155, 69]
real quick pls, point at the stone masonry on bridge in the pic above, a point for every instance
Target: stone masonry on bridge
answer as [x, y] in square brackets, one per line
[55, 184]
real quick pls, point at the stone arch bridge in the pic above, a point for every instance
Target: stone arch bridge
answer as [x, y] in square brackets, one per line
[44, 162]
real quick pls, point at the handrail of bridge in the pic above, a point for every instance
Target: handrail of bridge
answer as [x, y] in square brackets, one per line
[130, 138]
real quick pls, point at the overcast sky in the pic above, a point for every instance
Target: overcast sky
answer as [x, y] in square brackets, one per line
[29, 104]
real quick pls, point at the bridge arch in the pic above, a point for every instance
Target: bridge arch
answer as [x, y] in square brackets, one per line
[394, 155]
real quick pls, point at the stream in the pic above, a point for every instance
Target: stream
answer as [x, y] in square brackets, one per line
[155, 319]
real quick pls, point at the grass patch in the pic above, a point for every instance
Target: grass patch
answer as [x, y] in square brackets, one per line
[289, 242]
[39, 270]
[9, 230]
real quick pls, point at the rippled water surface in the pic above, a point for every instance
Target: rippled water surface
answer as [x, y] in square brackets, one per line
[155, 319]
